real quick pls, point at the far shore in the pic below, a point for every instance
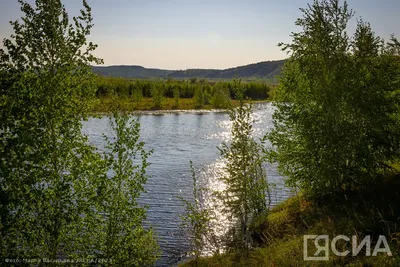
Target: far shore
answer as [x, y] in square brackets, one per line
[146, 107]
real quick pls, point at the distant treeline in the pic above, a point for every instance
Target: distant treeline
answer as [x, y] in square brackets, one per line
[181, 88]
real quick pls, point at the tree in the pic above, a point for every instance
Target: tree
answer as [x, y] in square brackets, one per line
[336, 126]
[124, 239]
[46, 90]
[394, 46]
[157, 93]
[196, 221]
[50, 176]
[246, 192]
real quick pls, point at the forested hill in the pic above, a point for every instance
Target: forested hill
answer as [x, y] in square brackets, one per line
[265, 69]
[130, 71]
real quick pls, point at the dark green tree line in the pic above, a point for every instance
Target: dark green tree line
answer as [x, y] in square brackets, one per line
[203, 92]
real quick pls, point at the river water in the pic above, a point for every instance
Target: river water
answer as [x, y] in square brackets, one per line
[177, 138]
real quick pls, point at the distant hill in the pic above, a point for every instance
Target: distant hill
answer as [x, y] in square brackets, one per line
[265, 69]
[130, 71]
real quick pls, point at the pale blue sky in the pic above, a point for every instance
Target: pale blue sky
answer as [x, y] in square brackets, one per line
[180, 34]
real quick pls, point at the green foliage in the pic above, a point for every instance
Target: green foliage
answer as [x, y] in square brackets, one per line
[359, 213]
[196, 221]
[245, 195]
[45, 161]
[336, 124]
[185, 89]
[256, 90]
[125, 240]
[199, 96]
[137, 94]
[221, 97]
[207, 90]
[176, 95]
[157, 93]
[55, 193]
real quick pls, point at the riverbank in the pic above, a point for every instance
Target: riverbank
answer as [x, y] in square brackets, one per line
[105, 105]
[373, 212]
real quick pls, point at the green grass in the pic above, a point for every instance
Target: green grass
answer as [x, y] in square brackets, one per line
[374, 211]
[126, 104]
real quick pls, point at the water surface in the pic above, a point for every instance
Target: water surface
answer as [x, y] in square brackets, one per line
[177, 138]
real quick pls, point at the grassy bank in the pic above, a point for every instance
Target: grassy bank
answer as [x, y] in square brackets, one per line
[374, 212]
[127, 104]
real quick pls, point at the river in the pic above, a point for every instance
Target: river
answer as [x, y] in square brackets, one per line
[177, 138]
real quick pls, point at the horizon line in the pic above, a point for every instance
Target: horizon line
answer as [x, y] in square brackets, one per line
[135, 65]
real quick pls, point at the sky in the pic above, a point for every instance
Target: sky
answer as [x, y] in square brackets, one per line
[218, 34]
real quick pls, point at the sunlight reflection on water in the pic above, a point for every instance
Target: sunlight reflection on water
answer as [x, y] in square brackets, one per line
[177, 138]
